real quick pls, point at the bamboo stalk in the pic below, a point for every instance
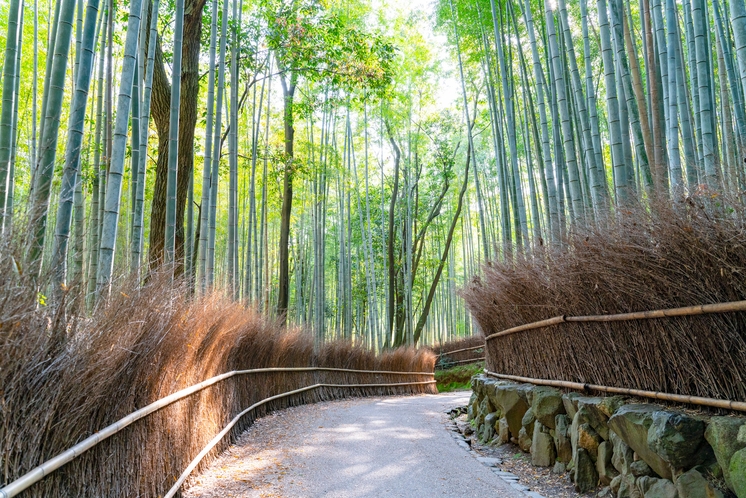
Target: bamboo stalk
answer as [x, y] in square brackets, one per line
[640, 315]
[678, 398]
[175, 488]
[43, 470]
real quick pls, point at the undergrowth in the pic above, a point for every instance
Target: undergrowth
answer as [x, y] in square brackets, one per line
[457, 378]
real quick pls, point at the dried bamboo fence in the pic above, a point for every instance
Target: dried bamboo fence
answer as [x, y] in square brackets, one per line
[668, 363]
[378, 382]
[60, 385]
[459, 352]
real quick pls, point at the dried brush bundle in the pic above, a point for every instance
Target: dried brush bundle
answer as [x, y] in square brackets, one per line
[647, 259]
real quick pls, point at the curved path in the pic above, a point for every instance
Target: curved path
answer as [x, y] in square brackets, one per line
[393, 447]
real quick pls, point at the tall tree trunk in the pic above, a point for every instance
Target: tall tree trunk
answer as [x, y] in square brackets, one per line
[288, 91]
[444, 257]
[161, 98]
[391, 241]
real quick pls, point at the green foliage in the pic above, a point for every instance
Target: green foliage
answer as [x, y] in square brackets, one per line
[457, 378]
[312, 39]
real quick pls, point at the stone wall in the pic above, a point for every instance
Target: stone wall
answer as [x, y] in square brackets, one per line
[613, 445]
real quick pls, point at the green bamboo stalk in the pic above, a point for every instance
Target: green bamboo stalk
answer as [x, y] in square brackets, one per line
[137, 235]
[706, 104]
[54, 21]
[210, 268]
[96, 200]
[35, 90]
[612, 108]
[564, 112]
[233, 284]
[599, 181]
[738, 23]
[674, 158]
[580, 106]
[9, 97]
[633, 111]
[736, 95]
[696, 176]
[135, 157]
[173, 136]
[546, 153]
[7, 212]
[112, 201]
[74, 144]
[50, 134]
[206, 176]
[520, 206]
[687, 133]
[662, 57]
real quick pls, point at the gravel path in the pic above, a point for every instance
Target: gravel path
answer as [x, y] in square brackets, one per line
[393, 447]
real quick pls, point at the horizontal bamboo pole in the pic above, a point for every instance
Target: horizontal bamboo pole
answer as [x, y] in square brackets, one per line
[676, 398]
[37, 474]
[623, 317]
[645, 315]
[446, 353]
[190, 468]
[529, 326]
[470, 360]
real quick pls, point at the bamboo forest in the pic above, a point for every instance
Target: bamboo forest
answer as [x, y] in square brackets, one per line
[348, 166]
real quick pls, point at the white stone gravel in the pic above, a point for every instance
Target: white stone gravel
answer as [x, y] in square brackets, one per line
[392, 447]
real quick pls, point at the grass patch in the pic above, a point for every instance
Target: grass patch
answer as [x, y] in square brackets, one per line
[457, 378]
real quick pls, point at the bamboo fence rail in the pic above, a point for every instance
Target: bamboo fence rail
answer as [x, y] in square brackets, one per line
[734, 306]
[468, 360]
[677, 398]
[623, 317]
[37, 474]
[473, 348]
